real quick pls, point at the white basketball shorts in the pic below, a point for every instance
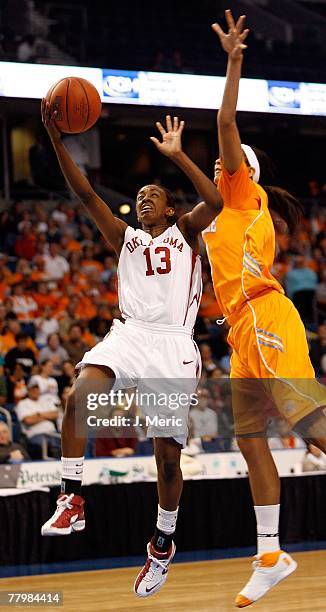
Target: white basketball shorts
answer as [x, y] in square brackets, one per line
[163, 362]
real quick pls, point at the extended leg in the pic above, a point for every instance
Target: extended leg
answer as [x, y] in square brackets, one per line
[161, 549]
[69, 514]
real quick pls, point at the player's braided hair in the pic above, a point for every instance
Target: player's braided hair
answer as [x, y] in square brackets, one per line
[279, 200]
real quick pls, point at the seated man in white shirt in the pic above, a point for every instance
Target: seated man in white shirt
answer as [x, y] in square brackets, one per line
[37, 416]
[204, 418]
[56, 266]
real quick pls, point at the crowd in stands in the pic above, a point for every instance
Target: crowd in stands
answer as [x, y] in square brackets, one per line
[58, 297]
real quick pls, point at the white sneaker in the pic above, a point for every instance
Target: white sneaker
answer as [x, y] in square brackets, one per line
[68, 518]
[269, 569]
[154, 573]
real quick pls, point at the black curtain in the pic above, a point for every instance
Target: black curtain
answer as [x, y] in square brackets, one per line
[120, 519]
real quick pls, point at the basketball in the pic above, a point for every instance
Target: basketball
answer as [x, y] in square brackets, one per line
[77, 103]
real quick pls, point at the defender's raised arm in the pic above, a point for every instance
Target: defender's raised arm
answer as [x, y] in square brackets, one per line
[194, 222]
[228, 134]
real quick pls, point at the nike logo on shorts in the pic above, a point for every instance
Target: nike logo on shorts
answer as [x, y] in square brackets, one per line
[186, 362]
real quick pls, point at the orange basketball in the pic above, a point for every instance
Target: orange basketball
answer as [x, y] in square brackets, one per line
[77, 102]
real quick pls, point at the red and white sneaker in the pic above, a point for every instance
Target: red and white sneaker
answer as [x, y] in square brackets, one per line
[68, 517]
[155, 571]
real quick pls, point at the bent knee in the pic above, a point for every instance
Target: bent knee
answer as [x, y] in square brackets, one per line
[252, 445]
[168, 468]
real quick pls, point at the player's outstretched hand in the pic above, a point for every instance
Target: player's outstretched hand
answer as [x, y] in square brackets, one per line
[48, 120]
[233, 41]
[171, 136]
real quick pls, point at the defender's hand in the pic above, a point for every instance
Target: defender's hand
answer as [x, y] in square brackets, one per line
[232, 42]
[48, 121]
[171, 137]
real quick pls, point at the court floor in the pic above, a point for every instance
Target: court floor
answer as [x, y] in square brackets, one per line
[191, 587]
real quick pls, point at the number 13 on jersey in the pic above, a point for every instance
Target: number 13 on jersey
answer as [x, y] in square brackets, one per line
[165, 261]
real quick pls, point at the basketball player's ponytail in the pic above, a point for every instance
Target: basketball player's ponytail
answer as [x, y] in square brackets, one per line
[285, 205]
[279, 200]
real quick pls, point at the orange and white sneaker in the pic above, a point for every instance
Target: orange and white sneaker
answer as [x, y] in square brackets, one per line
[68, 518]
[269, 569]
[155, 571]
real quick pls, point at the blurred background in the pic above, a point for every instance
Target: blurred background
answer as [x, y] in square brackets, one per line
[57, 276]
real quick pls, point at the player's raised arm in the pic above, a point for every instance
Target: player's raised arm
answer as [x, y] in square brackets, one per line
[194, 222]
[228, 134]
[111, 227]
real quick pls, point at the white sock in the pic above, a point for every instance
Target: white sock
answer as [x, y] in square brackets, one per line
[72, 468]
[267, 528]
[166, 520]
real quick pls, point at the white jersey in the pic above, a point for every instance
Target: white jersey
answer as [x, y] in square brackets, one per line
[159, 278]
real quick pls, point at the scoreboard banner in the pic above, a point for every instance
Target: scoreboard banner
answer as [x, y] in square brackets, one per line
[19, 80]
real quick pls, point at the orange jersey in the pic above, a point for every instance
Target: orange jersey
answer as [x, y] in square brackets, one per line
[241, 242]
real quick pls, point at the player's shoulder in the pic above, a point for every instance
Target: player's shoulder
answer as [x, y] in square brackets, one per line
[130, 232]
[241, 173]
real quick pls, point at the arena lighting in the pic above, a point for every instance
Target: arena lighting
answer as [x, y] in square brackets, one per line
[19, 80]
[124, 209]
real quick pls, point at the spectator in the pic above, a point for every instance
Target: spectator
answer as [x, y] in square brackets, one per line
[53, 234]
[208, 363]
[21, 354]
[101, 323]
[8, 338]
[46, 383]
[10, 452]
[301, 283]
[54, 351]
[43, 297]
[17, 388]
[68, 316]
[67, 377]
[88, 262]
[25, 245]
[314, 460]
[27, 49]
[23, 304]
[38, 417]
[204, 418]
[74, 345]
[45, 326]
[55, 265]
[110, 268]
